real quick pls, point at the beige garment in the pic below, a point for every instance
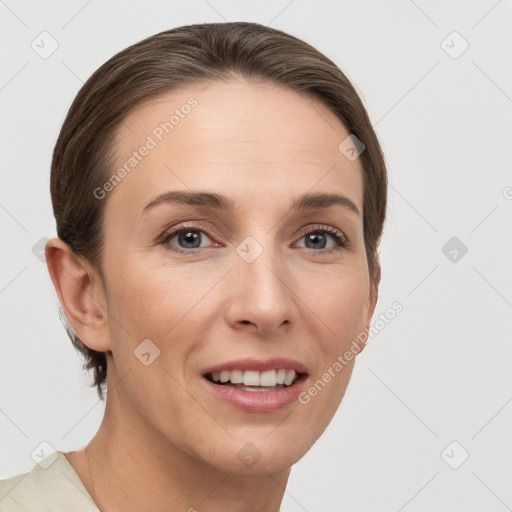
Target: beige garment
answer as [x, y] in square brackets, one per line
[51, 486]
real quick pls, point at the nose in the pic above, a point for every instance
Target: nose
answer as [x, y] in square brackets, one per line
[261, 297]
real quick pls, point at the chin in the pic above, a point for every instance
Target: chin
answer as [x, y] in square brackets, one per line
[263, 454]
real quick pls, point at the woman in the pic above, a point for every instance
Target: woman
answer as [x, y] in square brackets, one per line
[220, 195]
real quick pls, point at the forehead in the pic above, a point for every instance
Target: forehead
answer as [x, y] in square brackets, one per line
[253, 139]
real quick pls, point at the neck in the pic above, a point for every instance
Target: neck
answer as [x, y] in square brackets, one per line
[133, 467]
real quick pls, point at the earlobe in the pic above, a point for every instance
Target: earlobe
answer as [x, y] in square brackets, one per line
[81, 294]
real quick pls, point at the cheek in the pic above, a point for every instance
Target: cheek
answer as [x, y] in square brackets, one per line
[351, 306]
[153, 300]
[341, 302]
[341, 308]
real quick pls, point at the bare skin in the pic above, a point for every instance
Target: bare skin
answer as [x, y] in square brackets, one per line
[166, 443]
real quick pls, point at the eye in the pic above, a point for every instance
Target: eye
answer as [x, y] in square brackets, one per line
[318, 239]
[187, 239]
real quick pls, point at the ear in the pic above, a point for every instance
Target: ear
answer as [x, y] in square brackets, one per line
[81, 294]
[374, 289]
[373, 295]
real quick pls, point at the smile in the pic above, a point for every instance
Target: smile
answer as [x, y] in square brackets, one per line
[256, 386]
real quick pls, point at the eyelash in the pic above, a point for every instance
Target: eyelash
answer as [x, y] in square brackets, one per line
[336, 234]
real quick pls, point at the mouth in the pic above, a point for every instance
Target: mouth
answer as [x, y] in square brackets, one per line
[256, 385]
[256, 381]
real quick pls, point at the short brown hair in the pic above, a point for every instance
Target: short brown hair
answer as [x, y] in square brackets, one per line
[83, 154]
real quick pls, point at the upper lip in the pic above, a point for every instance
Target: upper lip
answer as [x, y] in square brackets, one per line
[258, 365]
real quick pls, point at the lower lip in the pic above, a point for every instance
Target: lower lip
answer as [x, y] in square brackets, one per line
[257, 401]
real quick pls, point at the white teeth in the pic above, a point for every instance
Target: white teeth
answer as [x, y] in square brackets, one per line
[290, 375]
[236, 376]
[268, 378]
[251, 378]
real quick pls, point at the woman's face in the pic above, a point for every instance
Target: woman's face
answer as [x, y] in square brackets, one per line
[266, 284]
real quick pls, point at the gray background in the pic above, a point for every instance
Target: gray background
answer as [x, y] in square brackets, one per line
[440, 371]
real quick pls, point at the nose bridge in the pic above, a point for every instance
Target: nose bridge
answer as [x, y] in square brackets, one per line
[261, 284]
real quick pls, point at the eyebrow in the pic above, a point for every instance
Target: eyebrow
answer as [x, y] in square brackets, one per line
[219, 202]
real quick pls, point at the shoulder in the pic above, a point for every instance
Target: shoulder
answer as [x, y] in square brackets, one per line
[8, 503]
[52, 484]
